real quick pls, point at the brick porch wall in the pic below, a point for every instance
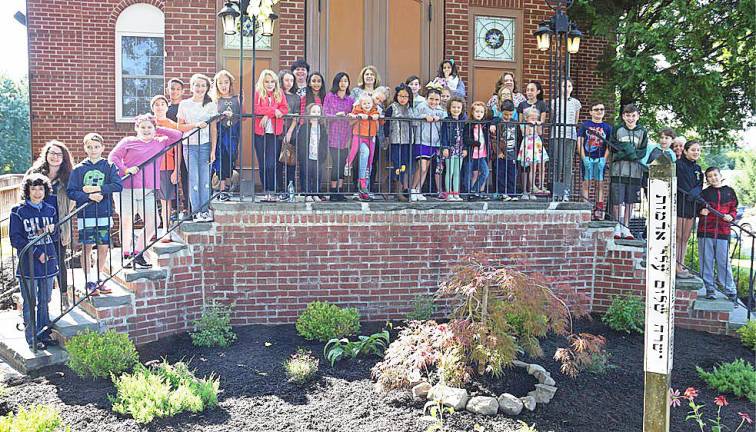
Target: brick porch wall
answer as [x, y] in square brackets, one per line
[272, 264]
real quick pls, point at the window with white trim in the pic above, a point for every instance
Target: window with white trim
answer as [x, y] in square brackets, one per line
[140, 55]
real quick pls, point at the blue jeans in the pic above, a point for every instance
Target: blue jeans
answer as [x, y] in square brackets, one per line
[709, 251]
[41, 290]
[506, 176]
[198, 167]
[480, 165]
[267, 149]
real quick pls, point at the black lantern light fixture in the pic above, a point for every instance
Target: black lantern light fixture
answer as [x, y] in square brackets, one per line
[560, 37]
[235, 16]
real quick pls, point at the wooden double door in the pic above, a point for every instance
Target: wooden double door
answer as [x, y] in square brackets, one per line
[399, 37]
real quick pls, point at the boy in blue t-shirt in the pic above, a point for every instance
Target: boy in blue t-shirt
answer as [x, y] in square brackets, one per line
[38, 266]
[592, 136]
[94, 181]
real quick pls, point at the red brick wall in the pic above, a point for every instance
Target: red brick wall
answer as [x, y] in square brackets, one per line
[291, 32]
[271, 265]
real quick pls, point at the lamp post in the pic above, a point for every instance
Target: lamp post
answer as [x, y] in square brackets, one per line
[232, 16]
[561, 38]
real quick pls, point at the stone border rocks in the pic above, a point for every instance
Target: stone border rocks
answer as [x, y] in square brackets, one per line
[506, 403]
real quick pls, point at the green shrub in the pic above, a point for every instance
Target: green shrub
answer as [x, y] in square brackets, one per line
[324, 321]
[741, 277]
[214, 327]
[38, 418]
[737, 377]
[101, 354]
[163, 391]
[337, 349]
[747, 335]
[301, 367]
[423, 309]
[626, 314]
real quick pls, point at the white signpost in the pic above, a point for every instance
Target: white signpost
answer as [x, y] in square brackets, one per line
[660, 294]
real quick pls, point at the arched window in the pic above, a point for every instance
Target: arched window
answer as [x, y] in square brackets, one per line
[139, 59]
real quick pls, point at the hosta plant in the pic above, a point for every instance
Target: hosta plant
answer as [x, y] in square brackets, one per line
[337, 349]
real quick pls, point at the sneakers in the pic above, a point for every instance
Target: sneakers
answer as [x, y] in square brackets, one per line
[91, 288]
[413, 195]
[626, 234]
[316, 198]
[140, 263]
[40, 346]
[203, 217]
[617, 232]
[525, 196]
[444, 196]
[365, 197]
[710, 296]
[224, 196]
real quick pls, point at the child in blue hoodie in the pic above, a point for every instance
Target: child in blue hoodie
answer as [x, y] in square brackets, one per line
[94, 181]
[38, 266]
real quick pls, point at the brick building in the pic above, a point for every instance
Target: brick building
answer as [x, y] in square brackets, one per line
[93, 64]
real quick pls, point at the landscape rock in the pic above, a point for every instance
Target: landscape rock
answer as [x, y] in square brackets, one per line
[484, 405]
[529, 402]
[510, 404]
[449, 396]
[549, 381]
[521, 364]
[543, 393]
[420, 391]
[534, 368]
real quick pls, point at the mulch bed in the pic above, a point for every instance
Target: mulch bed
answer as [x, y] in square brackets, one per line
[257, 397]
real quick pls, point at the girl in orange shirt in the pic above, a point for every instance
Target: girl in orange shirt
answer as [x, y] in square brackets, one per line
[364, 117]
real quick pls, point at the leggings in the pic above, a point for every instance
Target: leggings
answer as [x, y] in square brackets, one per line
[338, 159]
[453, 166]
[366, 146]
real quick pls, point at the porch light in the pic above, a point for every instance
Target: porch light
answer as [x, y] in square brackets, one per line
[228, 16]
[268, 24]
[543, 37]
[573, 40]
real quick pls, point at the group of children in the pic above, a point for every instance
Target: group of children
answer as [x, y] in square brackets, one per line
[180, 145]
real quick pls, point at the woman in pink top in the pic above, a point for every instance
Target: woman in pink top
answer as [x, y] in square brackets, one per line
[138, 196]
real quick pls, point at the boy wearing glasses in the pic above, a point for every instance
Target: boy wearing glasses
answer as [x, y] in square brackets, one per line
[593, 151]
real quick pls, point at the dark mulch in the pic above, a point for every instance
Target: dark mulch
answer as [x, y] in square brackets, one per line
[257, 397]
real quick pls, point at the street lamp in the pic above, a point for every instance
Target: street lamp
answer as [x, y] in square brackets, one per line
[560, 37]
[233, 15]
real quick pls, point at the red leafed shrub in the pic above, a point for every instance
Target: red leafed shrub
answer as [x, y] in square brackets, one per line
[497, 313]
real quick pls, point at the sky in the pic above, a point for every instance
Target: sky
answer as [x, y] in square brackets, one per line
[14, 61]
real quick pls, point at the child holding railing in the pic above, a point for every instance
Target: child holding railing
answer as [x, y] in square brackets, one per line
[428, 134]
[138, 196]
[31, 218]
[94, 181]
[364, 117]
[714, 234]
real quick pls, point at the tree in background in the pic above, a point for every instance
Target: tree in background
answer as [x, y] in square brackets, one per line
[745, 184]
[15, 135]
[695, 60]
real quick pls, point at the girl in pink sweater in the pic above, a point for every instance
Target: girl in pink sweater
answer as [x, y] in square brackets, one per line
[138, 196]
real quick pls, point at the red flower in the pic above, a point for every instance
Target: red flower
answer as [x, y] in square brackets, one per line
[745, 417]
[690, 393]
[721, 401]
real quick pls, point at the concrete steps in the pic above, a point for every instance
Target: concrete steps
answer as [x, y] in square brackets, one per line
[94, 314]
